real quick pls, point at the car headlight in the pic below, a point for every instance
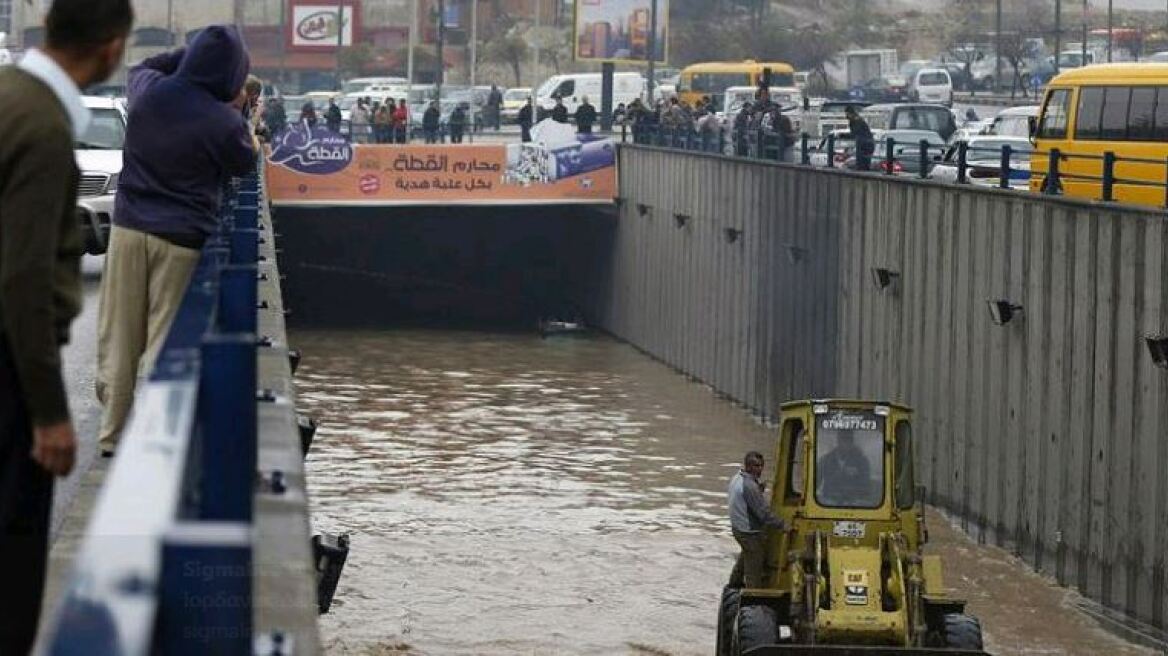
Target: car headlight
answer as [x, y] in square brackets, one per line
[112, 186]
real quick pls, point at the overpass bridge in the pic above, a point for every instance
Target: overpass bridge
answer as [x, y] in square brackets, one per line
[1027, 331]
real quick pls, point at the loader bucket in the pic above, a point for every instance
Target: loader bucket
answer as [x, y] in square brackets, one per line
[843, 650]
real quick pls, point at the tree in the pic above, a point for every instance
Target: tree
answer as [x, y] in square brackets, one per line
[509, 49]
[354, 59]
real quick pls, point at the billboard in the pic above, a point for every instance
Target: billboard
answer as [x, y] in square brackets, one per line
[618, 30]
[316, 167]
[312, 24]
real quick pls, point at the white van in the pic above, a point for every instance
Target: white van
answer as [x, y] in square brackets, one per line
[572, 87]
[933, 85]
[366, 84]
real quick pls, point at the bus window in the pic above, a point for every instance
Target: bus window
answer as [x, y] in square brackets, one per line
[1114, 124]
[1090, 115]
[1141, 114]
[1161, 115]
[1054, 116]
[717, 82]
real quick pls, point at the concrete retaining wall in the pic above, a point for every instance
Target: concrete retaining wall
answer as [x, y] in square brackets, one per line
[1048, 436]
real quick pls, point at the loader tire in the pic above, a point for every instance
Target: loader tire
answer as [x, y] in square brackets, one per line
[727, 612]
[757, 626]
[962, 632]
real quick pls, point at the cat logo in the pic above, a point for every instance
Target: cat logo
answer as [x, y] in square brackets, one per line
[856, 588]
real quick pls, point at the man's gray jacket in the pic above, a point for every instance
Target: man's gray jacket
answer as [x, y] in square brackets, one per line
[749, 511]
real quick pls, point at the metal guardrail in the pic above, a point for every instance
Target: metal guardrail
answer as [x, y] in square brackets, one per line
[167, 559]
[890, 155]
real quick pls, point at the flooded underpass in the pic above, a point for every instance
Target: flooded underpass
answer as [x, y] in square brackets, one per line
[508, 494]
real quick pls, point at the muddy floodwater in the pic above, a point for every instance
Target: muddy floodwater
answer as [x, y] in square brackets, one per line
[512, 495]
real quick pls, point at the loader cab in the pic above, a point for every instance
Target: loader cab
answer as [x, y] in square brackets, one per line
[845, 460]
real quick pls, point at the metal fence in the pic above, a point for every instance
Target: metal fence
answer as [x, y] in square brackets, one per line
[167, 562]
[1113, 177]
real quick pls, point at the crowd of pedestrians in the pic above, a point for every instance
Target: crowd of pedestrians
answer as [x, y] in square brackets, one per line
[671, 118]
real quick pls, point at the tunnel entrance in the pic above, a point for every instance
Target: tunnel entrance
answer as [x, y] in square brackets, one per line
[496, 266]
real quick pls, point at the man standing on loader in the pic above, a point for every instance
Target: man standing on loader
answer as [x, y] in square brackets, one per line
[750, 514]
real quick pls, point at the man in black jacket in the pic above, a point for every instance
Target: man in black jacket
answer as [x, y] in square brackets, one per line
[559, 112]
[332, 116]
[585, 116]
[431, 121]
[524, 120]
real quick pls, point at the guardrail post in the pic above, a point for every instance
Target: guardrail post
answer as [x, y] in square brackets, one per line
[205, 590]
[625, 132]
[1108, 176]
[760, 151]
[227, 406]
[923, 160]
[831, 151]
[238, 298]
[1004, 168]
[889, 155]
[722, 140]
[805, 149]
[962, 162]
[1051, 185]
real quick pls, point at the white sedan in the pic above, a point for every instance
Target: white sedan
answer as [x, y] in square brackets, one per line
[983, 162]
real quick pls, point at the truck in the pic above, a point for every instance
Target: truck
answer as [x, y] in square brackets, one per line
[863, 66]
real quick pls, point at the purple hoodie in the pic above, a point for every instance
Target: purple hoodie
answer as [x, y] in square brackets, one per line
[183, 139]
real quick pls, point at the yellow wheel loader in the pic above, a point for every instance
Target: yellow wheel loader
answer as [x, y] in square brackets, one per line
[847, 576]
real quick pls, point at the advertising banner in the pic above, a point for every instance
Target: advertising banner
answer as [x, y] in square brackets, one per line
[618, 30]
[313, 24]
[316, 167]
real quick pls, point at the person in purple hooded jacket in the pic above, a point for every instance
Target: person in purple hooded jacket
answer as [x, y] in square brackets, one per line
[185, 137]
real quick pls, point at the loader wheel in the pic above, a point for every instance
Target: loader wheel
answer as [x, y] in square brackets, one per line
[962, 632]
[757, 626]
[727, 611]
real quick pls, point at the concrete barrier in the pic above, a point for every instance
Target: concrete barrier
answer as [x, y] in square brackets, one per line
[1045, 435]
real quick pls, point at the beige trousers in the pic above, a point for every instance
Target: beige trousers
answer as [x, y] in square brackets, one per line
[143, 284]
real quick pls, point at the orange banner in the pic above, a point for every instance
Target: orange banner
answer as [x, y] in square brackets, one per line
[323, 169]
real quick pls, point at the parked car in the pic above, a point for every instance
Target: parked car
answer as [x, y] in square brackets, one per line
[883, 90]
[843, 147]
[830, 116]
[912, 116]
[99, 158]
[906, 151]
[933, 85]
[983, 162]
[971, 129]
[1015, 121]
[961, 78]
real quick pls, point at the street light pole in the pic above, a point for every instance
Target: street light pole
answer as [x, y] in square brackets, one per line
[535, 47]
[1058, 33]
[412, 41]
[340, 36]
[441, 48]
[1086, 8]
[998, 46]
[652, 49]
[474, 40]
[1110, 26]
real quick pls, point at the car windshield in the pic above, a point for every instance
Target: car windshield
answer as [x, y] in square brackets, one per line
[106, 131]
[516, 94]
[1013, 126]
[545, 89]
[933, 79]
[849, 449]
[922, 118]
[877, 119]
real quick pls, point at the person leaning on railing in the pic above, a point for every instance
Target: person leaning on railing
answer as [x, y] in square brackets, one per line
[186, 136]
[40, 283]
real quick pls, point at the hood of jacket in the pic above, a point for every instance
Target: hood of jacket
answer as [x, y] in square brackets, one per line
[216, 61]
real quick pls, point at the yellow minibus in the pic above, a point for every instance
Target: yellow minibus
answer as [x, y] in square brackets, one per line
[714, 78]
[1107, 108]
